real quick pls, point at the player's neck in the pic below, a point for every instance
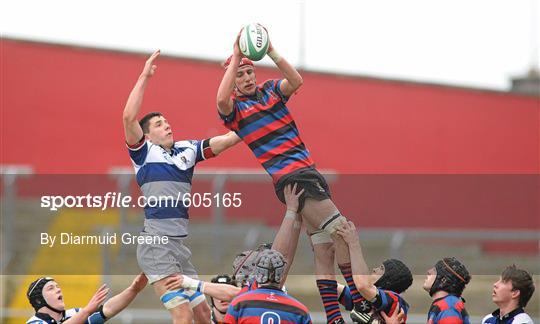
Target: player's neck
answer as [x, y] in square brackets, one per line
[439, 294]
[507, 307]
[218, 316]
[46, 310]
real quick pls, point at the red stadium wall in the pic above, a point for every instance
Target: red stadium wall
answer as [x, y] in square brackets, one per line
[62, 107]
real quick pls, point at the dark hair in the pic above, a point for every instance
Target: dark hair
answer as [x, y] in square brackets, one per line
[521, 280]
[145, 121]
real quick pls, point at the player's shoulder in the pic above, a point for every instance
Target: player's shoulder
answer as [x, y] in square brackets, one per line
[186, 143]
[523, 318]
[295, 302]
[72, 311]
[35, 320]
[488, 319]
[444, 303]
[269, 84]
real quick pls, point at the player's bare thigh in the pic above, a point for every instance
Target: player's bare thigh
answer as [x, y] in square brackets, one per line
[323, 255]
[316, 211]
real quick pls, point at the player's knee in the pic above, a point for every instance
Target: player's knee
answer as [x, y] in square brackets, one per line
[331, 223]
[182, 314]
[201, 310]
[320, 238]
[202, 313]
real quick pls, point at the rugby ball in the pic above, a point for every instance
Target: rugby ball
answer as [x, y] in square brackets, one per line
[253, 42]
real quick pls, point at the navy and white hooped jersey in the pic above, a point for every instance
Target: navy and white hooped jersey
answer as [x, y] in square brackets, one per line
[42, 318]
[164, 178]
[517, 316]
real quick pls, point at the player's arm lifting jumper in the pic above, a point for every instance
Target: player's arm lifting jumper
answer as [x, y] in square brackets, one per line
[293, 80]
[358, 264]
[286, 240]
[132, 129]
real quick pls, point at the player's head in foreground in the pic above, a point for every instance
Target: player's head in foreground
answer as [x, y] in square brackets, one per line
[157, 129]
[448, 275]
[221, 305]
[45, 292]
[392, 275]
[244, 265]
[269, 268]
[514, 288]
[245, 81]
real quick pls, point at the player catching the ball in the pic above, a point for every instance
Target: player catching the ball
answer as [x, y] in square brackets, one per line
[258, 114]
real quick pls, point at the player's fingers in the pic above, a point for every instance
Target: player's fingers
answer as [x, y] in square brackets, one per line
[301, 192]
[155, 54]
[103, 287]
[385, 317]
[294, 188]
[287, 190]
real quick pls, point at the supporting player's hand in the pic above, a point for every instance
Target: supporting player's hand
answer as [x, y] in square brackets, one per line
[174, 282]
[96, 300]
[348, 232]
[139, 282]
[396, 318]
[291, 197]
[149, 67]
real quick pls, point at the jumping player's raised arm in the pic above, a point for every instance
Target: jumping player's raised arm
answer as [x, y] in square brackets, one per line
[226, 87]
[293, 80]
[132, 129]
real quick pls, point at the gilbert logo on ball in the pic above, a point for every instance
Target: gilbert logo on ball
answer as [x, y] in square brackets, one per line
[254, 42]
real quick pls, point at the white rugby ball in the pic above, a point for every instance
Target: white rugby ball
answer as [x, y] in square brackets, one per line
[253, 42]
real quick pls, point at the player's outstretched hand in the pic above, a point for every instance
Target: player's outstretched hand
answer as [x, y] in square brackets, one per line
[291, 197]
[174, 282]
[270, 47]
[236, 48]
[396, 318]
[149, 67]
[139, 282]
[348, 232]
[96, 300]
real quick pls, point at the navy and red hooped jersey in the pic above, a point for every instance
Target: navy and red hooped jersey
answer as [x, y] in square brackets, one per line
[385, 301]
[266, 306]
[265, 124]
[448, 310]
[252, 285]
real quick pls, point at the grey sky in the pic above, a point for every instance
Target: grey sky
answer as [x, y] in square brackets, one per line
[479, 43]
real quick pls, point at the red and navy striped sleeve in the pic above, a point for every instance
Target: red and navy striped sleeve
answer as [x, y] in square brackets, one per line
[138, 151]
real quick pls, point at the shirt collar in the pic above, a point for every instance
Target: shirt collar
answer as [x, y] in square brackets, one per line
[513, 313]
[47, 318]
